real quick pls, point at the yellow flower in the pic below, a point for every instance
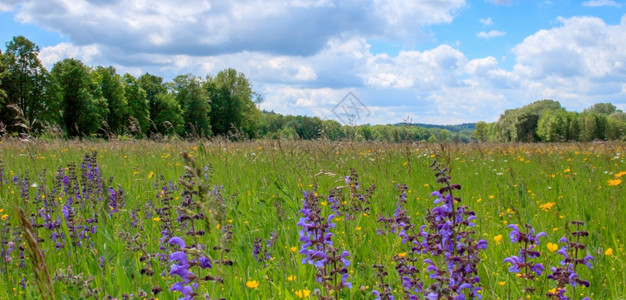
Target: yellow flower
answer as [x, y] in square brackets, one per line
[294, 249]
[303, 293]
[292, 277]
[403, 254]
[323, 203]
[156, 219]
[614, 182]
[567, 170]
[497, 238]
[547, 206]
[150, 175]
[502, 283]
[552, 247]
[252, 284]
[620, 174]
[491, 196]
[4, 217]
[608, 252]
[358, 228]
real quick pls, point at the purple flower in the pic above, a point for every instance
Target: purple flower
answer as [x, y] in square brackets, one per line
[178, 241]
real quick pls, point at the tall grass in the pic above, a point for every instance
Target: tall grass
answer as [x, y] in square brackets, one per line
[545, 185]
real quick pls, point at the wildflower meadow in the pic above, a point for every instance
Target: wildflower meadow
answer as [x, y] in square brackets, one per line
[282, 219]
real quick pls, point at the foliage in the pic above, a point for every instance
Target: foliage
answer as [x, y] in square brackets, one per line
[25, 85]
[81, 112]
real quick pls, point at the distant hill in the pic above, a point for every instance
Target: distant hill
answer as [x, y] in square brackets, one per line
[452, 128]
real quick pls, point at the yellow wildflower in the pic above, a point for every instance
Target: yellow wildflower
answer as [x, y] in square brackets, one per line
[614, 182]
[294, 249]
[252, 284]
[552, 247]
[497, 238]
[303, 293]
[608, 252]
[620, 174]
[4, 217]
[156, 219]
[502, 283]
[547, 206]
[150, 175]
[403, 254]
[292, 277]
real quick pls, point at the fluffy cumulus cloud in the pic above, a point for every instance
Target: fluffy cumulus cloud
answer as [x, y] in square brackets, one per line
[599, 3]
[491, 34]
[305, 56]
[202, 27]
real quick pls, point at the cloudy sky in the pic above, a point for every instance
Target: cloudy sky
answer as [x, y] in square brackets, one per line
[433, 61]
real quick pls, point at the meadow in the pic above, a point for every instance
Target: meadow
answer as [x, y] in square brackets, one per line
[103, 216]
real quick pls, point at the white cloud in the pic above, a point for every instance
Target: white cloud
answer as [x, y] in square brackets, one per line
[486, 22]
[8, 5]
[582, 60]
[490, 34]
[600, 3]
[202, 27]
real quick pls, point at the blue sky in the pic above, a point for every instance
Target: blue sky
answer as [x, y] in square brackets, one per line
[440, 62]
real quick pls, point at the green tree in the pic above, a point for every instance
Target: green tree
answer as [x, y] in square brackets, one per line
[616, 126]
[592, 126]
[111, 88]
[82, 115]
[601, 109]
[153, 86]
[552, 126]
[332, 130]
[480, 131]
[233, 103]
[3, 74]
[25, 84]
[169, 116]
[138, 109]
[194, 101]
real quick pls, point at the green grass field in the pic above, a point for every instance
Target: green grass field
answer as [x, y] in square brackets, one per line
[544, 185]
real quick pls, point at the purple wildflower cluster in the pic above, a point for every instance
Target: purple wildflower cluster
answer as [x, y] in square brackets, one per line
[383, 290]
[567, 274]
[193, 212]
[357, 201]
[262, 253]
[406, 264]
[449, 235]
[451, 253]
[523, 264]
[318, 248]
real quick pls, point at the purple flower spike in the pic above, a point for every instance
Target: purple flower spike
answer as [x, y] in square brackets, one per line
[178, 241]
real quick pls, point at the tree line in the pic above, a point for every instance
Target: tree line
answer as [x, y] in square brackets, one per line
[75, 100]
[83, 101]
[548, 121]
